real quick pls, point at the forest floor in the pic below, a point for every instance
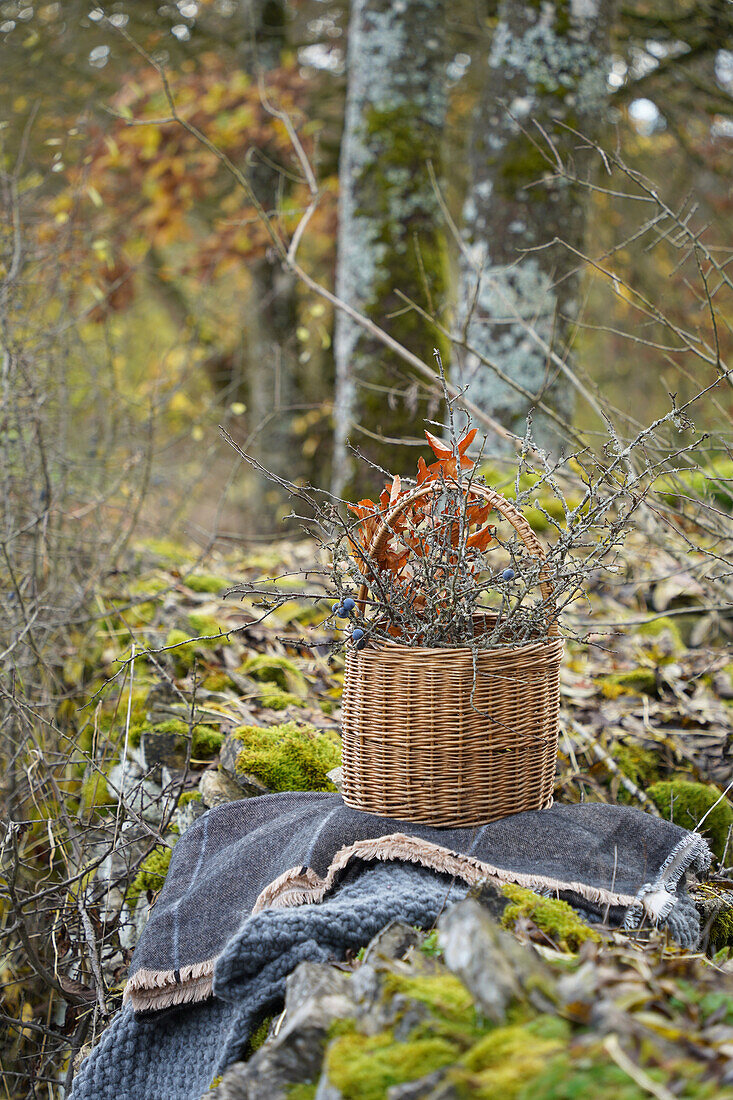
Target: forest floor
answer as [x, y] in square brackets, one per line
[646, 720]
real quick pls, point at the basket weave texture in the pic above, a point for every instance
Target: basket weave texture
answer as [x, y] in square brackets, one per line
[445, 738]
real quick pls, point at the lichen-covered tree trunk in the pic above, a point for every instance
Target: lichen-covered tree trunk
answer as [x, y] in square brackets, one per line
[391, 236]
[546, 72]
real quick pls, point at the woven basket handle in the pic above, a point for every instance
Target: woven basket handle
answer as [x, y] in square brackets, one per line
[497, 501]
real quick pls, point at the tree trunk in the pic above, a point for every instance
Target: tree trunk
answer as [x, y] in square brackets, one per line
[390, 233]
[547, 68]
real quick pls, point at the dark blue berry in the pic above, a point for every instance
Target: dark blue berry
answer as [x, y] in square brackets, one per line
[361, 643]
[357, 633]
[508, 574]
[342, 612]
[335, 608]
[348, 604]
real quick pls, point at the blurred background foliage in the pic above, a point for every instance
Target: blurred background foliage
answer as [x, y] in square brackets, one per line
[182, 315]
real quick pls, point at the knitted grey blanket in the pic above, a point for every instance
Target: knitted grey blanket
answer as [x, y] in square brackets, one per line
[175, 1055]
[236, 913]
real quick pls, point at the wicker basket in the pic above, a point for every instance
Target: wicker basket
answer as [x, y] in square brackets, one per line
[417, 746]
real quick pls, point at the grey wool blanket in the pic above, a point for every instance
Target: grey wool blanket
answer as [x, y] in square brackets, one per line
[256, 886]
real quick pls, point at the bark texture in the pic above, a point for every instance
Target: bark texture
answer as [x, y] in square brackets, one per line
[390, 227]
[547, 65]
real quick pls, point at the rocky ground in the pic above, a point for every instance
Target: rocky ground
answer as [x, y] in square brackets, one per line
[220, 704]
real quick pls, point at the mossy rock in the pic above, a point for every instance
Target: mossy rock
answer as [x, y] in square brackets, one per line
[452, 1008]
[686, 803]
[189, 796]
[663, 628]
[507, 1060]
[364, 1067]
[184, 653]
[554, 917]
[205, 740]
[216, 680]
[150, 876]
[207, 630]
[207, 583]
[276, 670]
[169, 552]
[637, 681]
[95, 793]
[639, 765]
[274, 698]
[288, 757]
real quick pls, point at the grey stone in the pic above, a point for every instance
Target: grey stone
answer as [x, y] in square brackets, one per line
[327, 1091]
[490, 896]
[142, 795]
[432, 1087]
[188, 813]
[723, 684]
[249, 785]
[315, 996]
[336, 775]
[162, 748]
[489, 962]
[392, 942]
[217, 787]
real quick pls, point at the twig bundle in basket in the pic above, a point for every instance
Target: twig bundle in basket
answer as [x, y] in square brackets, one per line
[452, 736]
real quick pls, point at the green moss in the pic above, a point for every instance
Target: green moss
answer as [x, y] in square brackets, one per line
[276, 670]
[258, 1036]
[207, 582]
[721, 932]
[148, 586]
[217, 681]
[639, 765]
[189, 796]
[505, 1061]
[561, 1079]
[656, 628]
[430, 945]
[686, 803]
[184, 653]
[451, 1012]
[302, 1091]
[95, 792]
[151, 876]
[554, 917]
[205, 740]
[275, 699]
[637, 681]
[170, 552]
[207, 630]
[365, 1067]
[519, 164]
[288, 757]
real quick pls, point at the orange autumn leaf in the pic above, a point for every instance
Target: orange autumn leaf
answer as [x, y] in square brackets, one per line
[438, 448]
[465, 443]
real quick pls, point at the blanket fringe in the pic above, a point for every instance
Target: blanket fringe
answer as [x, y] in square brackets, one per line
[153, 990]
[299, 887]
[657, 899]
